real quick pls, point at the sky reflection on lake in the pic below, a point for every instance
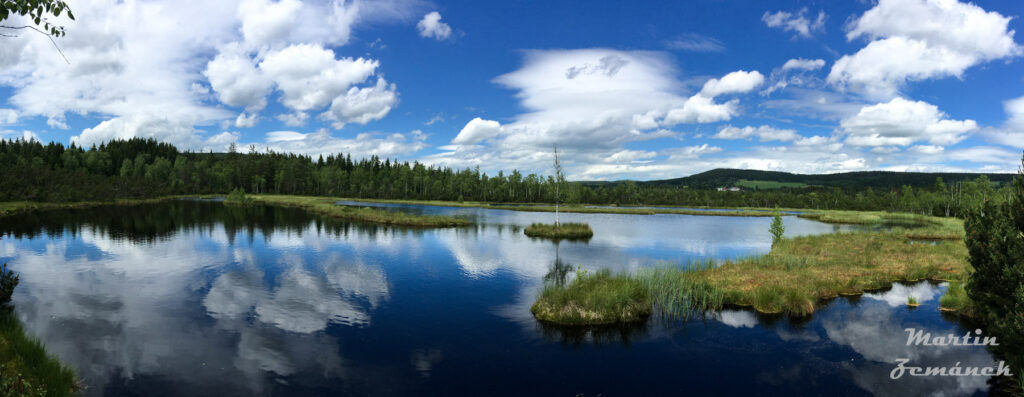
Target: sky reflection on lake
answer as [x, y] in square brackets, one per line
[195, 298]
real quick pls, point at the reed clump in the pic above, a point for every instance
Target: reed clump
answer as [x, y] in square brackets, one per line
[956, 300]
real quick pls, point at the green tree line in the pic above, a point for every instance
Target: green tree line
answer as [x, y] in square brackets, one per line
[140, 168]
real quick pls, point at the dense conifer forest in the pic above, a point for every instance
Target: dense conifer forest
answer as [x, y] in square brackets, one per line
[141, 168]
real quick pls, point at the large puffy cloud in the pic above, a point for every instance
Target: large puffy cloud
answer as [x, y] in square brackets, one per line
[591, 102]
[432, 27]
[920, 39]
[902, 122]
[134, 65]
[128, 59]
[310, 77]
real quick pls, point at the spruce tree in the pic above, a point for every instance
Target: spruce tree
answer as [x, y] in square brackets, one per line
[995, 240]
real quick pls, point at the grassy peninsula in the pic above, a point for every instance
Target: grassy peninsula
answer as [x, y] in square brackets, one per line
[326, 206]
[320, 205]
[798, 275]
[564, 230]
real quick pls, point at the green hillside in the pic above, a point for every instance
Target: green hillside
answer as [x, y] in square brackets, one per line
[774, 179]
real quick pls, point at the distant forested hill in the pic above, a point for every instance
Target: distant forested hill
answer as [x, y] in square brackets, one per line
[875, 179]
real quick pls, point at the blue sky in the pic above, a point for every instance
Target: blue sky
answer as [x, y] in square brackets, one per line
[640, 90]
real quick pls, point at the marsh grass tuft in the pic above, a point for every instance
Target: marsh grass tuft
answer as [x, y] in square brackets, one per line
[563, 230]
[912, 301]
[594, 299]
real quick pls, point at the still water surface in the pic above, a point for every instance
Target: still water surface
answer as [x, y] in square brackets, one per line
[194, 298]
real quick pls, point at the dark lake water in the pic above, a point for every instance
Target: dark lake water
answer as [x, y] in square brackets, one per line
[194, 298]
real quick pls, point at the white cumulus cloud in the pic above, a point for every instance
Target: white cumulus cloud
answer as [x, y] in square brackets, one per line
[915, 40]
[432, 27]
[477, 130]
[901, 122]
[363, 105]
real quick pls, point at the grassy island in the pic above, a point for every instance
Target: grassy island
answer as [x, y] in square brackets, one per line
[594, 299]
[560, 231]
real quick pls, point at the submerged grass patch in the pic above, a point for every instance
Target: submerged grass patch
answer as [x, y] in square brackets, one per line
[594, 299]
[562, 230]
[326, 206]
[26, 369]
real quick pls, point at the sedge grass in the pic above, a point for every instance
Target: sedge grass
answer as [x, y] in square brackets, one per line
[675, 295]
[26, 369]
[563, 230]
